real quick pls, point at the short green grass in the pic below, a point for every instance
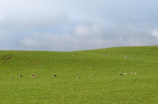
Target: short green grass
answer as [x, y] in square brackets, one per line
[105, 87]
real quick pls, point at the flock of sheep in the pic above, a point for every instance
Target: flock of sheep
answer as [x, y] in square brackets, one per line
[54, 75]
[89, 77]
[127, 57]
[33, 75]
[126, 73]
[131, 72]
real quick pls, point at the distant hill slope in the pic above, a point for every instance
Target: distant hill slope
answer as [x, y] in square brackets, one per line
[32, 59]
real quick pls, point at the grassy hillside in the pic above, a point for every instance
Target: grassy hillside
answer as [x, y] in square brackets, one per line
[105, 87]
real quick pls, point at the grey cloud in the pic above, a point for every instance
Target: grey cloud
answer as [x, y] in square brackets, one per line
[47, 13]
[47, 42]
[123, 13]
[88, 37]
[66, 25]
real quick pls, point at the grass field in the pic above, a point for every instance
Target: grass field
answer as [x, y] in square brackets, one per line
[105, 87]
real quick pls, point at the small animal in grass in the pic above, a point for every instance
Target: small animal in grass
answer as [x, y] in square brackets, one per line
[93, 74]
[120, 73]
[132, 57]
[42, 66]
[11, 77]
[90, 77]
[33, 75]
[135, 73]
[20, 75]
[90, 67]
[78, 77]
[125, 73]
[54, 75]
[126, 56]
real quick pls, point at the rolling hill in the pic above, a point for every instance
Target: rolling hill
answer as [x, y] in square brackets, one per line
[99, 82]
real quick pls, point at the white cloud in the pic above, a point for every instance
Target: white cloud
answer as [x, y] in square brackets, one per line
[88, 31]
[154, 32]
[28, 42]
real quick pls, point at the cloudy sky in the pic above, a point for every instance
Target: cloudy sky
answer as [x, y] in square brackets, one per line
[69, 25]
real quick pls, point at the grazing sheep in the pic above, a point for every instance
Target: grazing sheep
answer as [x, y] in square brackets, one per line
[78, 77]
[125, 73]
[131, 72]
[54, 75]
[135, 73]
[120, 73]
[93, 74]
[90, 77]
[33, 75]
[126, 56]
[11, 77]
[90, 67]
[132, 57]
[20, 75]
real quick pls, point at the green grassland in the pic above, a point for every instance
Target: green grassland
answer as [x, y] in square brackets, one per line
[105, 87]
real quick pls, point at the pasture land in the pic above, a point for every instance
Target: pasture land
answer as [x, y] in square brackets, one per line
[99, 82]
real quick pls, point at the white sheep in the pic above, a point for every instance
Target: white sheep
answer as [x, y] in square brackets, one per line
[93, 74]
[90, 77]
[126, 56]
[125, 73]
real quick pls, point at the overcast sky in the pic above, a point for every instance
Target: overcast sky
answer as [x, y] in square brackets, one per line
[69, 25]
